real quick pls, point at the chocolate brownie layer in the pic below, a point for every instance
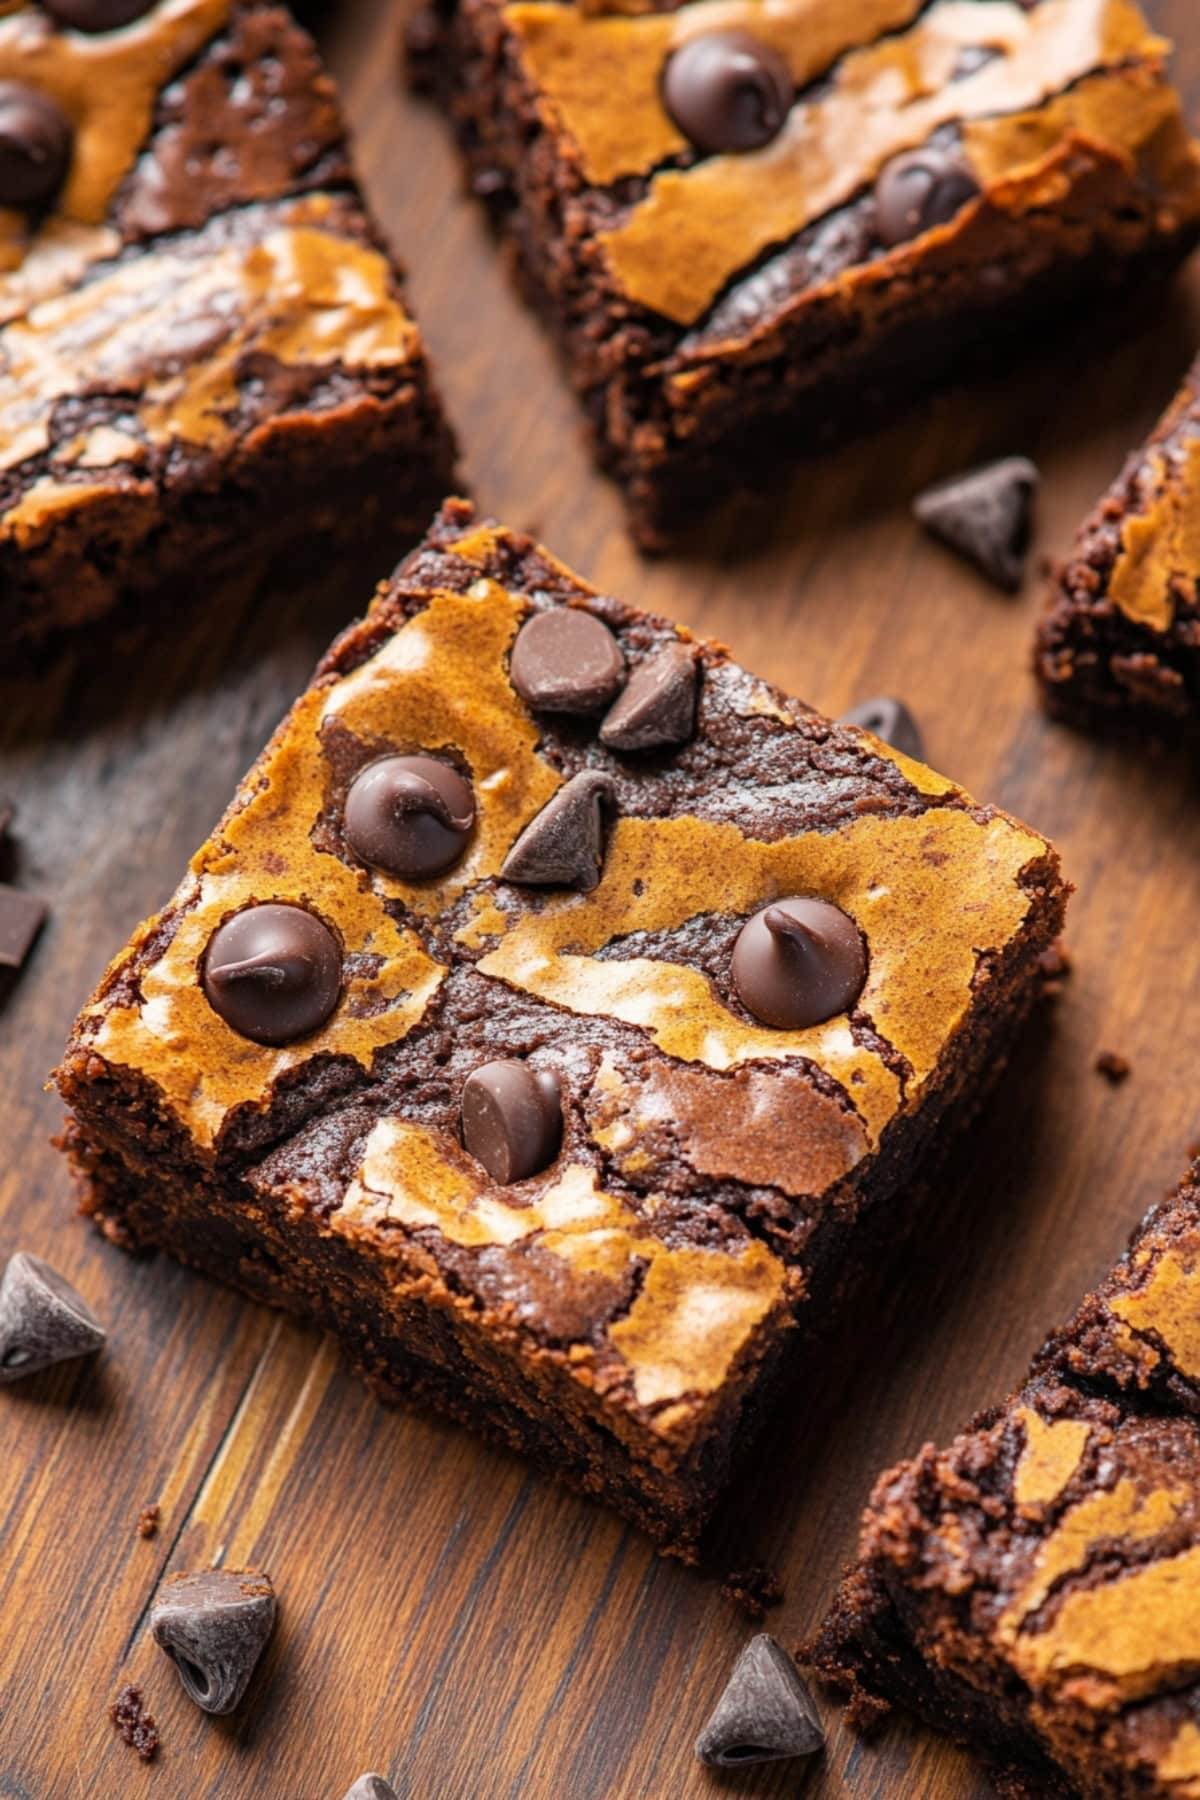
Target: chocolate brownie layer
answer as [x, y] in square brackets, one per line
[203, 344]
[1035, 1589]
[751, 226]
[579, 1131]
[1121, 635]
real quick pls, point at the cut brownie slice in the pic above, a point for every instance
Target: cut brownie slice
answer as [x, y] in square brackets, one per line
[559, 1015]
[203, 344]
[749, 224]
[1035, 1588]
[1121, 636]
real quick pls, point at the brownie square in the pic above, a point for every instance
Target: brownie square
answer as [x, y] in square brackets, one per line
[206, 357]
[545, 1137]
[1035, 1589]
[753, 227]
[1120, 639]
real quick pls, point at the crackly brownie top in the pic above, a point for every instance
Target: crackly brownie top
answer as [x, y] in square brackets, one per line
[710, 134]
[520, 954]
[182, 254]
[1061, 1543]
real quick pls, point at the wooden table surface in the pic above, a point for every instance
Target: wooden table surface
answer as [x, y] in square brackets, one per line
[446, 1616]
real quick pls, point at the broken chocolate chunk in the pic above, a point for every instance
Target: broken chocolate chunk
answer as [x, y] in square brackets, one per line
[766, 1713]
[986, 515]
[43, 1320]
[658, 706]
[564, 845]
[214, 1626]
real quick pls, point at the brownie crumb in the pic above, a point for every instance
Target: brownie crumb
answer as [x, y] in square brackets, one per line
[148, 1518]
[1113, 1067]
[753, 1590]
[1055, 964]
[134, 1723]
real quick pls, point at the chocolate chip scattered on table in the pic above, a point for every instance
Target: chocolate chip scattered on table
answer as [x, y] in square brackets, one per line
[214, 1624]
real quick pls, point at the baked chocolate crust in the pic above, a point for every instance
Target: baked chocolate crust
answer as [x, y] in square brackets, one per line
[205, 345]
[1120, 638]
[716, 311]
[1032, 1590]
[623, 1315]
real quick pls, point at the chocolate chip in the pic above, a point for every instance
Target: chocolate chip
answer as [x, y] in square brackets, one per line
[409, 815]
[512, 1119]
[918, 190]
[371, 1787]
[986, 514]
[728, 91]
[35, 145]
[21, 919]
[564, 845]
[214, 1626]
[890, 720]
[659, 705]
[273, 973]
[42, 1319]
[567, 661]
[766, 1713]
[799, 962]
[96, 15]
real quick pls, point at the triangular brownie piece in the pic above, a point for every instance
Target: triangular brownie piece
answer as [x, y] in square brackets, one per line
[205, 354]
[1121, 635]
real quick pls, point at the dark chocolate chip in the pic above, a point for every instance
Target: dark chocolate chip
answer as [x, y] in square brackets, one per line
[727, 91]
[799, 962]
[512, 1119]
[409, 815]
[214, 1626]
[371, 1787]
[21, 919]
[96, 15]
[766, 1713]
[35, 145]
[42, 1319]
[890, 720]
[986, 514]
[564, 845]
[659, 705]
[273, 973]
[567, 661]
[918, 190]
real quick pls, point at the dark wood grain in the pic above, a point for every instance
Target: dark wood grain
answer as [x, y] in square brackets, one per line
[447, 1617]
